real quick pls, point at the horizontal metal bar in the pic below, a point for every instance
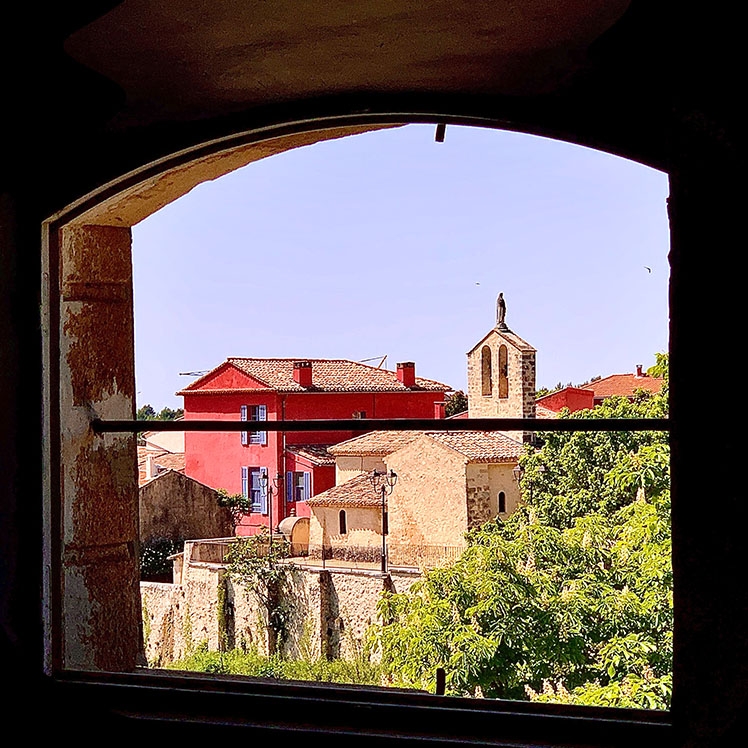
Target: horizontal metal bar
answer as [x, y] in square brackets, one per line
[391, 424]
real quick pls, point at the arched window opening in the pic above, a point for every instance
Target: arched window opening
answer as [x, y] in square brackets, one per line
[486, 378]
[503, 372]
[87, 240]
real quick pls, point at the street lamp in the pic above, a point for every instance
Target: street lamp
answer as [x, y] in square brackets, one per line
[383, 483]
[518, 473]
[269, 486]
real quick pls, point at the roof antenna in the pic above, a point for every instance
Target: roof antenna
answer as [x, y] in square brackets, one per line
[382, 360]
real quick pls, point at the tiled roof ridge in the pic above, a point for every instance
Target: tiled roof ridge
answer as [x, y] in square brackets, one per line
[275, 374]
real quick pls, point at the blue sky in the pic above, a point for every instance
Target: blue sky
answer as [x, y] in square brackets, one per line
[389, 243]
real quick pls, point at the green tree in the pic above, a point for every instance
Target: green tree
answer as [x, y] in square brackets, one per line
[457, 402]
[146, 413]
[570, 599]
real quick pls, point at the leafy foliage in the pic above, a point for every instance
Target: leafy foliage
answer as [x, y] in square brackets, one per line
[570, 599]
[457, 402]
[154, 554]
[147, 413]
[239, 504]
[262, 568]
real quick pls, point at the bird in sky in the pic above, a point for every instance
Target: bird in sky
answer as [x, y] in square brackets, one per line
[649, 270]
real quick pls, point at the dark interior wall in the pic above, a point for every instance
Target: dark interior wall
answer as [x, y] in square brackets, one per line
[664, 86]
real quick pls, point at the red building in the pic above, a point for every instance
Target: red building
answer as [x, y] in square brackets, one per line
[595, 392]
[296, 464]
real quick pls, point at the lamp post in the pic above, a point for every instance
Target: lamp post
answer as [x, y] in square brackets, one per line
[269, 486]
[518, 473]
[383, 483]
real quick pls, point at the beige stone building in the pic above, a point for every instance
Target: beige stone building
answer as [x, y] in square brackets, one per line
[448, 482]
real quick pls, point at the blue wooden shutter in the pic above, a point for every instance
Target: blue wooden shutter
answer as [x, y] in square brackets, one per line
[255, 489]
[262, 415]
[245, 482]
[307, 486]
[289, 487]
[263, 491]
[259, 413]
[243, 416]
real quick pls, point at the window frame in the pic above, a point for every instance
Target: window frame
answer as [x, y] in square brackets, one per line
[376, 712]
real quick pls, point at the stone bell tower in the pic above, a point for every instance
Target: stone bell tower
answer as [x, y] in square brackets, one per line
[501, 374]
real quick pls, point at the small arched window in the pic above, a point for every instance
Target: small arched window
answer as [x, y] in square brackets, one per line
[503, 372]
[502, 502]
[485, 367]
[343, 523]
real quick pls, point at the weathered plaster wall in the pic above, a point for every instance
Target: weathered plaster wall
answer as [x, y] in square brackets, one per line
[99, 500]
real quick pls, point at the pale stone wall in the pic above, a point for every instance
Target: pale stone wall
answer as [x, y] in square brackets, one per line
[167, 441]
[349, 466]
[500, 478]
[484, 481]
[332, 610]
[427, 508]
[364, 526]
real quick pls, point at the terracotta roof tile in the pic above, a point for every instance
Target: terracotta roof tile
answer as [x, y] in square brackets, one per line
[477, 446]
[623, 384]
[480, 446]
[357, 492]
[317, 454]
[328, 375]
[375, 443]
[163, 460]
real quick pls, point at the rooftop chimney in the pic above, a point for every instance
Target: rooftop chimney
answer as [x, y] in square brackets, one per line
[639, 370]
[302, 373]
[406, 373]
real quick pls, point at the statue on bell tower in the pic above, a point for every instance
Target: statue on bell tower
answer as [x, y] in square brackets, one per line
[501, 313]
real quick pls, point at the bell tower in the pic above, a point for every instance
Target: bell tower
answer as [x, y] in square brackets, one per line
[501, 374]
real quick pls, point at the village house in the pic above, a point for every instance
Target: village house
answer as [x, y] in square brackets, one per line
[447, 482]
[280, 471]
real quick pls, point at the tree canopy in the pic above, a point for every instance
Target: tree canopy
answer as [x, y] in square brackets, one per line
[148, 413]
[570, 599]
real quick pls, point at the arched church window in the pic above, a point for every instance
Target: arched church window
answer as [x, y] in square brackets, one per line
[343, 522]
[486, 378]
[502, 502]
[503, 372]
